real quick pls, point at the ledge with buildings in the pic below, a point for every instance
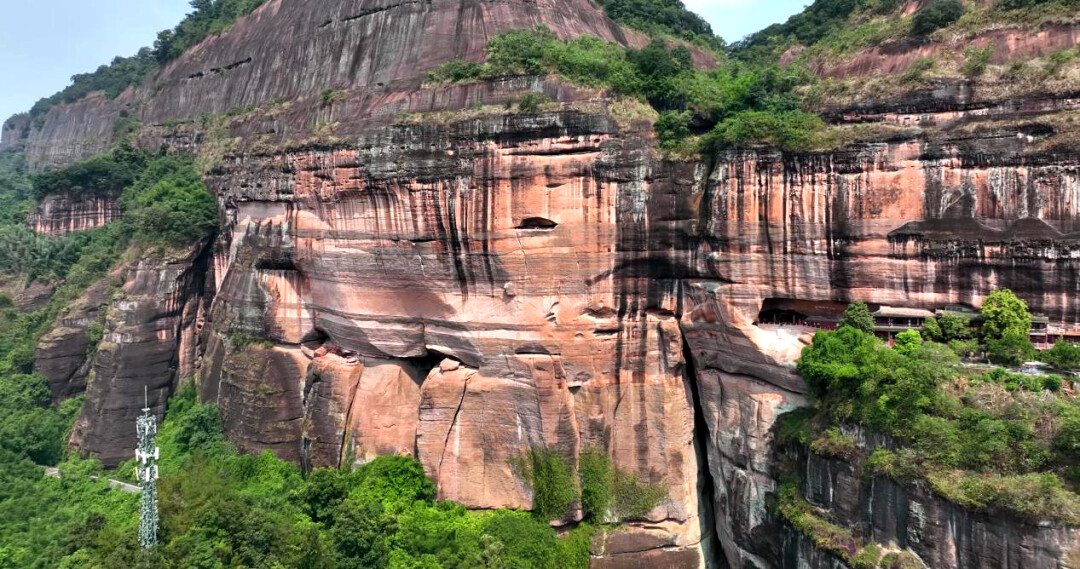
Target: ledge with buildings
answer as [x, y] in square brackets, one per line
[889, 321]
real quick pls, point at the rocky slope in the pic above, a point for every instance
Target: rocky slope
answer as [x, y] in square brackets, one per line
[466, 284]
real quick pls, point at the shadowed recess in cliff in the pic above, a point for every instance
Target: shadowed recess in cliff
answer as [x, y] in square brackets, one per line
[710, 540]
[537, 223]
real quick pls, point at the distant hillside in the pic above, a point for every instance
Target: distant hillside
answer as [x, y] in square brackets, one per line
[875, 52]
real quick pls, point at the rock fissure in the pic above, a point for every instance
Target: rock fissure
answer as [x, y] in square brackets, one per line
[706, 492]
[454, 421]
[373, 11]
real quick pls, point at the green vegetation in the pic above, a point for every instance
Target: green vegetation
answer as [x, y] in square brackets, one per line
[111, 79]
[817, 22]
[1004, 312]
[734, 105]
[901, 560]
[975, 61]
[72, 263]
[947, 328]
[164, 205]
[330, 96]
[240, 340]
[1006, 323]
[168, 204]
[825, 534]
[554, 487]
[857, 315]
[663, 18]
[834, 443]
[210, 17]
[220, 508]
[531, 103]
[31, 428]
[987, 440]
[935, 16]
[1063, 356]
[829, 33]
[604, 492]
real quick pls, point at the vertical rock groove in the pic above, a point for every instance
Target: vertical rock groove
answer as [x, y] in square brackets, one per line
[710, 540]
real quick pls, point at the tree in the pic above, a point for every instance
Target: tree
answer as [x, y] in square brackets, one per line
[672, 128]
[361, 532]
[857, 315]
[955, 327]
[908, 342]
[531, 103]
[169, 204]
[931, 330]
[1064, 355]
[1012, 348]
[831, 363]
[936, 16]
[1002, 312]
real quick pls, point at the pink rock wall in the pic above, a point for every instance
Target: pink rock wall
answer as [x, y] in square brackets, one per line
[60, 214]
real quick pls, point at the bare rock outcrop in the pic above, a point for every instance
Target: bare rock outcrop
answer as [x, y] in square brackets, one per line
[141, 351]
[911, 517]
[60, 214]
[64, 355]
[466, 286]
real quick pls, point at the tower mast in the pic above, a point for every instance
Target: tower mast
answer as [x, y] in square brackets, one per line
[147, 473]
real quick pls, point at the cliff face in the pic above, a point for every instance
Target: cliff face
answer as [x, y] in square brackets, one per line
[147, 345]
[911, 517]
[464, 287]
[292, 51]
[546, 281]
[62, 214]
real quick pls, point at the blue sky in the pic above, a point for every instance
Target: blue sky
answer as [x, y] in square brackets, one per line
[42, 44]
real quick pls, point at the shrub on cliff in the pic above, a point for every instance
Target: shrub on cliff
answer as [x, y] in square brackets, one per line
[531, 103]
[861, 379]
[672, 128]
[737, 106]
[975, 61]
[102, 174]
[818, 21]
[791, 131]
[937, 15]
[1036, 497]
[663, 17]
[553, 485]
[169, 204]
[597, 474]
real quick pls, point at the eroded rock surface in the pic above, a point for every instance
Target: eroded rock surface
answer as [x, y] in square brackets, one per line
[137, 362]
[60, 214]
[463, 288]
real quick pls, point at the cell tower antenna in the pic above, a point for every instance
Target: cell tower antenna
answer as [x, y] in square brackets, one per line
[146, 470]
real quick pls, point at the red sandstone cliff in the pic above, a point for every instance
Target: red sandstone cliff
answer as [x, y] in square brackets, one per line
[463, 288]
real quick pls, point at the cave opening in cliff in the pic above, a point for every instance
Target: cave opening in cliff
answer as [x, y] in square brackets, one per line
[797, 312]
[538, 223]
[710, 539]
[276, 263]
